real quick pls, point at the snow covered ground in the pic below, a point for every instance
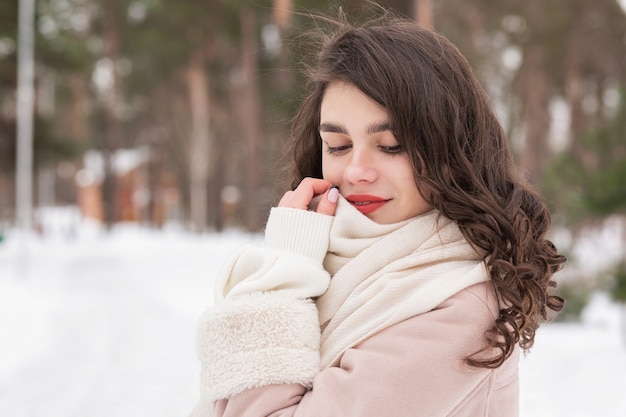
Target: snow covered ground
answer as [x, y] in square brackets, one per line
[95, 324]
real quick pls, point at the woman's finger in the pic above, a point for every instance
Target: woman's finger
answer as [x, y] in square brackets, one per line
[328, 203]
[304, 195]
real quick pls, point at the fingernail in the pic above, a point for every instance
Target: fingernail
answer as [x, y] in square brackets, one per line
[333, 194]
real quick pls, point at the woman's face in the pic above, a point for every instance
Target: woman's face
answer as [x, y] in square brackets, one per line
[361, 155]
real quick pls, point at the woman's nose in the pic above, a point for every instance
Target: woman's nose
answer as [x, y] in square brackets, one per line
[360, 168]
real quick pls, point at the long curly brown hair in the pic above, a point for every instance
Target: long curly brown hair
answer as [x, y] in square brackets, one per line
[443, 119]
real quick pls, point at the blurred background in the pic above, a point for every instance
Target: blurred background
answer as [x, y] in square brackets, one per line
[157, 115]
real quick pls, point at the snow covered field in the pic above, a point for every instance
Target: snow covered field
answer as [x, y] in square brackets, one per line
[95, 324]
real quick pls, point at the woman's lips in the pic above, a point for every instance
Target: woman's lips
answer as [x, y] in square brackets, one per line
[366, 203]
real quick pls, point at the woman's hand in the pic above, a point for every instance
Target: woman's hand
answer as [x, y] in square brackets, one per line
[312, 194]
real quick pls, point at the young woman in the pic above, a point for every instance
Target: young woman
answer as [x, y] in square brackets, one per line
[407, 266]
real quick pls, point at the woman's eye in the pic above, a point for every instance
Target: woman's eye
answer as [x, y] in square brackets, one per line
[332, 150]
[391, 149]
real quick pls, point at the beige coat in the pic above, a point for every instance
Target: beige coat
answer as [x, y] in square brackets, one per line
[412, 369]
[421, 313]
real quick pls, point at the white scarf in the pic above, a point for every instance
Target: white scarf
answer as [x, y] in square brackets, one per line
[383, 274]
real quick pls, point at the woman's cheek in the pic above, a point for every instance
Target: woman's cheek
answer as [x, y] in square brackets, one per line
[331, 170]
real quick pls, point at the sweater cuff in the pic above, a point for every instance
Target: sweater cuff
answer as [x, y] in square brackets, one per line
[256, 340]
[298, 231]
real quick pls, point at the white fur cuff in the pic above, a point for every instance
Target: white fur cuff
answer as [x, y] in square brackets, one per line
[256, 340]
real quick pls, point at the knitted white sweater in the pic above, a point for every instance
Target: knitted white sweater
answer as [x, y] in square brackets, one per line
[266, 330]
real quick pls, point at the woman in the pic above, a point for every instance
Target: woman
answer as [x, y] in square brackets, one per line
[409, 263]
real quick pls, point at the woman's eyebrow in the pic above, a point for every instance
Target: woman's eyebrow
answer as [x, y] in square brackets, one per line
[376, 127]
[332, 128]
[379, 127]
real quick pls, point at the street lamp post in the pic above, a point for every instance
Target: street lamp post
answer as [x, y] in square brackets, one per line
[25, 97]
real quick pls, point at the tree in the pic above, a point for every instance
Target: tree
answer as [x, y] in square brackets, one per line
[109, 21]
[596, 190]
[210, 86]
[57, 52]
[170, 89]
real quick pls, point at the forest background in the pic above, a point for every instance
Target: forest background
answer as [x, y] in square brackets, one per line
[161, 112]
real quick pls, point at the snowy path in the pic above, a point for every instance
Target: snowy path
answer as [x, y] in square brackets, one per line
[105, 327]
[103, 336]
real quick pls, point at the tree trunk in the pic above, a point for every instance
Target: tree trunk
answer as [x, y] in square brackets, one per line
[74, 118]
[112, 134]
[423, 12]
[282, 17]
[536, 115]
[574, 95]
[282, 13]
[199, 164]
[250, 115]
[77, 123]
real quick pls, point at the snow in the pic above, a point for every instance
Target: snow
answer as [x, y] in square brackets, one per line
[103, 324]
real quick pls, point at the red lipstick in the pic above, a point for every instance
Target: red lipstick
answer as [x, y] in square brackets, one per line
[366, 203]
